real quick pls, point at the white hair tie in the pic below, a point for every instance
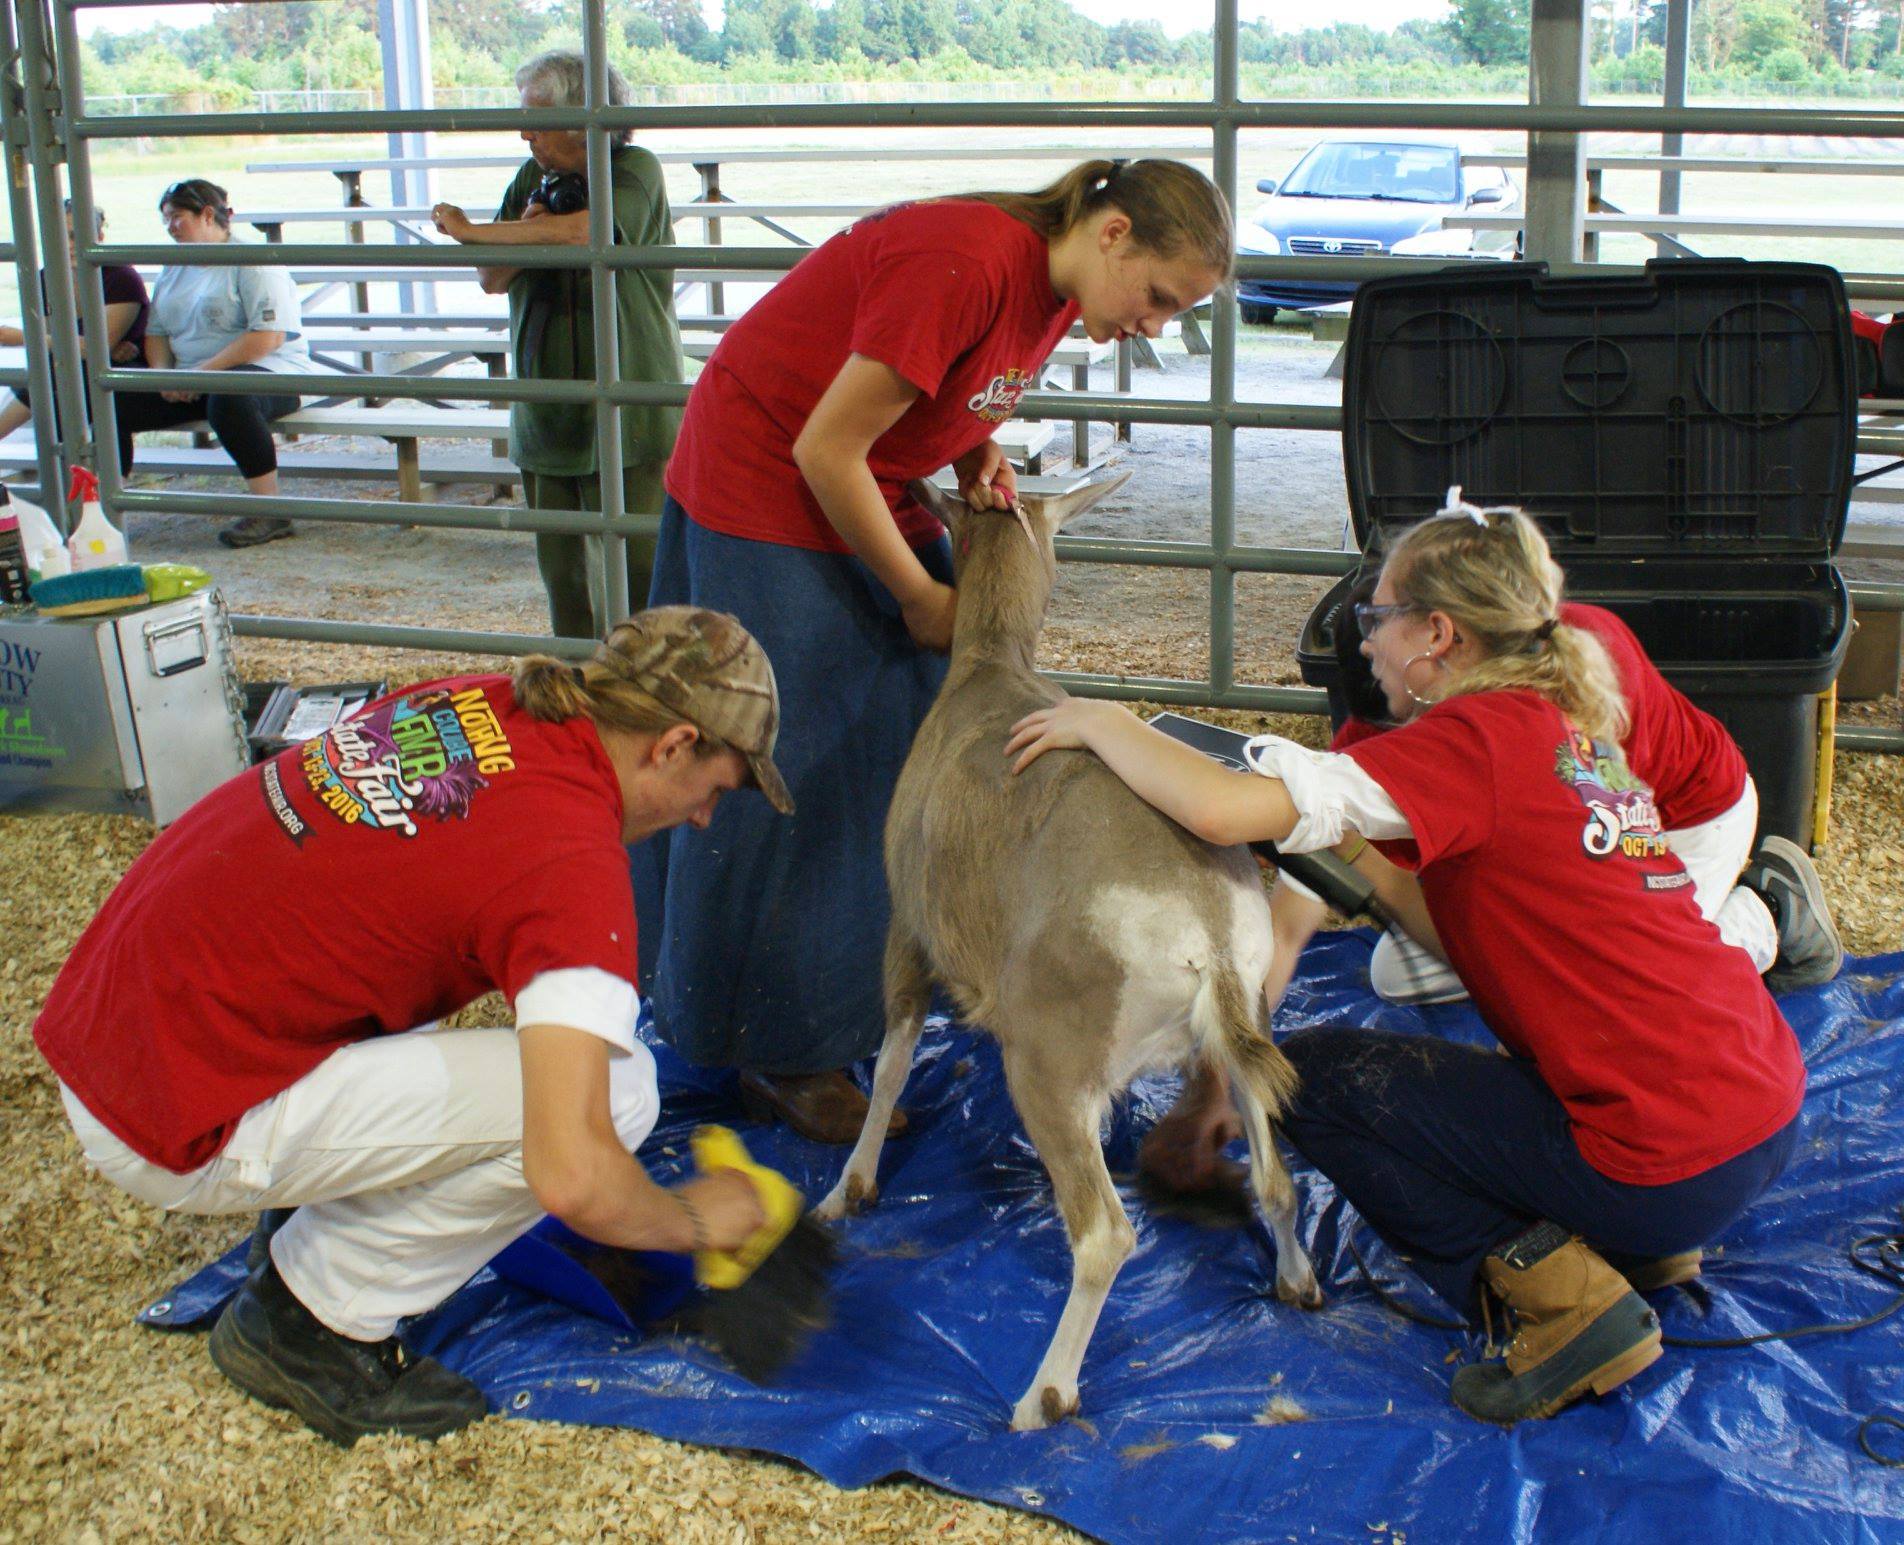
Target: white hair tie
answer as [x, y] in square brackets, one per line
[1456, 505]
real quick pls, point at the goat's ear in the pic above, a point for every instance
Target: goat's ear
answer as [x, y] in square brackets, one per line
[1059, 509]
[936, 501]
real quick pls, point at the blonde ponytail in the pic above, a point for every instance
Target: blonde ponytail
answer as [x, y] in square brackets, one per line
[550, 689]
[1491, 571]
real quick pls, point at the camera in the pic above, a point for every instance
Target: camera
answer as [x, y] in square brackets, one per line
[561, 193]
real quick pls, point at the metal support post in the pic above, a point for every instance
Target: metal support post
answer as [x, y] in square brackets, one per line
[92, 296]
[48, 138]
[1557, 77]
[26, 248]
[404, 27]
[601, 237]
[1678, 58]
[1225, 97]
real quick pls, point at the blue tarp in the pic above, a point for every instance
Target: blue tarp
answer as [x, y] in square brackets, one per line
[1210, 1411]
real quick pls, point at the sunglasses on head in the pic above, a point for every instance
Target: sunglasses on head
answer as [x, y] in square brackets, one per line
[187, 196]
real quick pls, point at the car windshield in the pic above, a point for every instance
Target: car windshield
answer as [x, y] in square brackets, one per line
[1415, 174]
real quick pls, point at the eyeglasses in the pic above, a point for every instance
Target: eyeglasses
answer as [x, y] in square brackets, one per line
[1369, 616]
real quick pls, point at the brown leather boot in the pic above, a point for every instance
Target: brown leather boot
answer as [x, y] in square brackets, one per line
[1578, 1326]
[822, 1107]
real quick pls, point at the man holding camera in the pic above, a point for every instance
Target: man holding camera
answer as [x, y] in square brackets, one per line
[551, 331]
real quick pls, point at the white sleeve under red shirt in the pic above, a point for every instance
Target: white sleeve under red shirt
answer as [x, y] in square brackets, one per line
[954, 294]
[1543, 863]
[441, 845]
[1688, 758]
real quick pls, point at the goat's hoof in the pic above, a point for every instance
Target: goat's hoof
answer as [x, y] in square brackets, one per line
[1043, 1406]
[852, 1195]
[1306, 1294]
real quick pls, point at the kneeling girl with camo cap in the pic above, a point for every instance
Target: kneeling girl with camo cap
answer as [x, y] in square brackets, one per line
[251, 1021]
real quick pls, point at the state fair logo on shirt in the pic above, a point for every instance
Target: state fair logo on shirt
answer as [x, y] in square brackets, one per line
[999, 401]
[420, 755]
[1621, 815]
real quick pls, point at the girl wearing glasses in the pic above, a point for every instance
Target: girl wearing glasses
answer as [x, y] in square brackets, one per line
[1652, 1089]
[1774, 908]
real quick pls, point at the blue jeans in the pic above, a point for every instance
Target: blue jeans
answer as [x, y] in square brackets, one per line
[763, 937]
[1449, 1151]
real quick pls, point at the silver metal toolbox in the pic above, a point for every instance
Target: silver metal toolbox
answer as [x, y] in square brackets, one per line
[137, 711]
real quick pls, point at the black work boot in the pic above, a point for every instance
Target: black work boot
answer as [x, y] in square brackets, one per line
[269, 1222]
[1651, 1273]
[1577, 1326]
[277, 1351]
[1783, 876]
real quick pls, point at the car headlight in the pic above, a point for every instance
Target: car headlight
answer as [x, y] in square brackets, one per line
[1258, 242]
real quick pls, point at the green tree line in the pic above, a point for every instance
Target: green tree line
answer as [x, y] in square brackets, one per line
[1481, 44]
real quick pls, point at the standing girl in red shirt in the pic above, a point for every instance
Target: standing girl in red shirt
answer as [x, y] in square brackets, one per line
[1653, 1090]
[894, 349]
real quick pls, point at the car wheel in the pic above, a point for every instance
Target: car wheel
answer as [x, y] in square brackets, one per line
[1255, 312]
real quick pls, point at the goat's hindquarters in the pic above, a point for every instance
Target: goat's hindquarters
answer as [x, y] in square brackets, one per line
[1233, 1029]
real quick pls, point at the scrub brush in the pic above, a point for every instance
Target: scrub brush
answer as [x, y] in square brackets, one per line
[766, 1298]
[173, 581]
[107, 589]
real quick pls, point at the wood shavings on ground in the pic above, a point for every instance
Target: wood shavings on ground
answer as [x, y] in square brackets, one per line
[110, 1432]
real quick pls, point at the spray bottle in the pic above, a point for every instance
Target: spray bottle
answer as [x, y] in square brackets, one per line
[96, 543]
[12, 555]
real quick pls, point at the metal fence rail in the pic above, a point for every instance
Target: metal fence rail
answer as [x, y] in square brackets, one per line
[46, 123]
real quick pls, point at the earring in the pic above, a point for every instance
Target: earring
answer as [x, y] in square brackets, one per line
[1413, 695]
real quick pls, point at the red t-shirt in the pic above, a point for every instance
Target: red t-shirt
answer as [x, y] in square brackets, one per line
[1543, 865]
[440, 845]
[1689, 760]
[955, 295]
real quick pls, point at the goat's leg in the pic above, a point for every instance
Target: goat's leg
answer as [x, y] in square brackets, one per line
[1269, 1177]
[908, 993]
[1063, 1125]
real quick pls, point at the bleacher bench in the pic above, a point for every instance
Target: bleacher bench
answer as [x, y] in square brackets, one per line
[406, 427]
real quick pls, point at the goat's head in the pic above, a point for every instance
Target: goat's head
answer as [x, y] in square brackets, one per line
[1009, 553]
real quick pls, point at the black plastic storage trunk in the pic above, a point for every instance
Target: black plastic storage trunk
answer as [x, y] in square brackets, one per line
[1685, 438]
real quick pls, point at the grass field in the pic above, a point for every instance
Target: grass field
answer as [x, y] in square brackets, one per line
[129, 175]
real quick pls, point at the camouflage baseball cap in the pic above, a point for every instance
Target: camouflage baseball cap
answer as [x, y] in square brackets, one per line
[706, 667]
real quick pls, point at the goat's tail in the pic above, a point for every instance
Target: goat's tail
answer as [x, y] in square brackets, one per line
[1231, 1027]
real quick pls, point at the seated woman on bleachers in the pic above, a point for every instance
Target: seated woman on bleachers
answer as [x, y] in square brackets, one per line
[126, 308]
[206, 318]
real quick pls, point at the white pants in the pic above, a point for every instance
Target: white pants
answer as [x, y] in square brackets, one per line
[1713, 852]
[403, 1157]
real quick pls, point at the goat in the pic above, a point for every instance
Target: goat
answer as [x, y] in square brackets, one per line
[1091, 936]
